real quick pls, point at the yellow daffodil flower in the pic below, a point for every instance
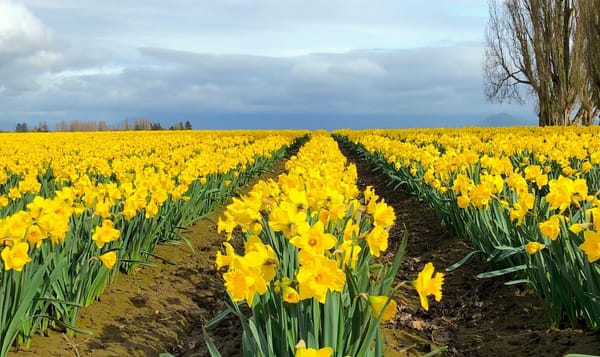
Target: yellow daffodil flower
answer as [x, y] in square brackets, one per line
[533, 247]
[377, 303]
[16, 257]
[108, 259]
[591, 245]
[426, 284]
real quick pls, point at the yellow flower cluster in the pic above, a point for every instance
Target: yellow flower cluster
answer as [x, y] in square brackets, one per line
[93, 202]
[310, 243]
[109, 175]
[315, 207]
[523, 170]
[251, 273]
[42, 219]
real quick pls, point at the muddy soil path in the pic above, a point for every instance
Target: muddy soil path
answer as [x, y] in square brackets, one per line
[475, 317]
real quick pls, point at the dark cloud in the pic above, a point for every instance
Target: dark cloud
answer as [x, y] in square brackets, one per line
[431, 82]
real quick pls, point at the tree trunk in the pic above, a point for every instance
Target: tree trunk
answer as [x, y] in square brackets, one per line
[544, 115]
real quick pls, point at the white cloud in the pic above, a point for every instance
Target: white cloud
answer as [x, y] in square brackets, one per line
[30, 52]
[20, 31]
[26, 49]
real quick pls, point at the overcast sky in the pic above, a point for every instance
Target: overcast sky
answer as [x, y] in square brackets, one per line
[246, 63]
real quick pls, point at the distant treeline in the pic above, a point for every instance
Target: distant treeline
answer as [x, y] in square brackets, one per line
[79, 125]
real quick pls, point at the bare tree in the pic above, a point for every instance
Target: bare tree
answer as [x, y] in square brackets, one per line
[590, 18]
[535, 49]
[78, 125]
[102, 126]
[142, 124]
[42, 127]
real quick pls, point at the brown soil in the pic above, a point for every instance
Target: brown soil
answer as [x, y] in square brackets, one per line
[162, 309]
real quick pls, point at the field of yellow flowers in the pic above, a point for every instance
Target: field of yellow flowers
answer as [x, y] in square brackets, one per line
[527, 198]
[304, 257]
[76, 208]
[308, 271]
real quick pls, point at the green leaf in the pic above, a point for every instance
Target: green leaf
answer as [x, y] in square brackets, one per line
[61, 302]
[217, 319]
[371, 333]
[165, 260]
[376, 266]
[188, 243]
[139, 262]
[11, 329]
[66, 325]
[332, 317]
[258, 339]
[212, 349]
[391, 274]
[518, 281]
[495, 273]
[462, 261]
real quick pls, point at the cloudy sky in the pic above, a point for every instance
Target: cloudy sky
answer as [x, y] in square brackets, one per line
[246, 63]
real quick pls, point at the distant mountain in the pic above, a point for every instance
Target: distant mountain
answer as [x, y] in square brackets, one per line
[505, 119]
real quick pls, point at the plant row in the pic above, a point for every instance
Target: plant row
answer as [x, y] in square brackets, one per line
[301, 264]
[527, 198]
[85, 206]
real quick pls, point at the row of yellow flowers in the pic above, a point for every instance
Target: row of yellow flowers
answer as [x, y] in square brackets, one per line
[308, 243]
[76, 205]
[526, 197]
